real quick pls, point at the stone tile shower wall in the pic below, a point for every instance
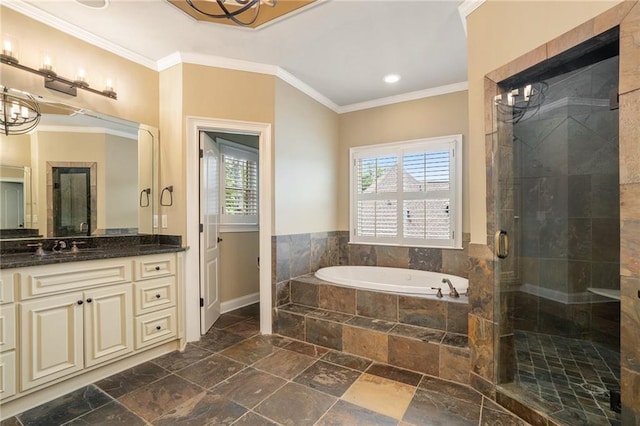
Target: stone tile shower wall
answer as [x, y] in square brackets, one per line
[486, 353]
[567, 202]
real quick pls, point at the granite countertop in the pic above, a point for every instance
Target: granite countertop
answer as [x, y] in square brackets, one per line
[13, 254]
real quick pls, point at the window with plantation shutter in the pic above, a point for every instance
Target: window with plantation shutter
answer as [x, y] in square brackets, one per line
[239, 178]
[408, 193]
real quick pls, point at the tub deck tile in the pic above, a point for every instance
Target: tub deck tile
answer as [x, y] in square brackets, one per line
[371, 323]
[419, 333]
[330, 316]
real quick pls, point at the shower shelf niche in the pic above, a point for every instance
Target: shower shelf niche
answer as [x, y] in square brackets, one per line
[606, 292]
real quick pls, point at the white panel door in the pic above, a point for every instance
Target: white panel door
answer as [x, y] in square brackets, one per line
[51, 344]
[108, 323]
[209, 218]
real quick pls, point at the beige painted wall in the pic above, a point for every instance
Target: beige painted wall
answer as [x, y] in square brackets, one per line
[422, 118]
[15, 151]
[195, 90]
[239, 254]
[306, 163]
[136, 85]
[498, 32]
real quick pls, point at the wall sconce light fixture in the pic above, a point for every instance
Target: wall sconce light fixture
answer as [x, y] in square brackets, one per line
[52, 80]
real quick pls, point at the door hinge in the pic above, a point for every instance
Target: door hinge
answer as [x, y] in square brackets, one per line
[201, 302]
[201, 228]
[201, 153]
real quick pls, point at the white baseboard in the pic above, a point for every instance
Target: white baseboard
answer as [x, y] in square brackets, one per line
[239, 302]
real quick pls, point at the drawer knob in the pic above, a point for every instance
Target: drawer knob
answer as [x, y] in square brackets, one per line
[80, 302]
[157, 268]
[157, 296]
[158, 327]
[89, 300]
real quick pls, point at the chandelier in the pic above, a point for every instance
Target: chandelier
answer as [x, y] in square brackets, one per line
[521, 104]
[238, 11]
[18, 115]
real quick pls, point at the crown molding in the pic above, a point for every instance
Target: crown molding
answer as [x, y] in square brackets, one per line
[465, 9]
[240, 65]
[216, 61]
[405, 97]
[234, 64]
[77, 32]
[294, 81]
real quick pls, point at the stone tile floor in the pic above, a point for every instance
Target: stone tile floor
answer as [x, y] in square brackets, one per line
[234, 376]
[569, 378]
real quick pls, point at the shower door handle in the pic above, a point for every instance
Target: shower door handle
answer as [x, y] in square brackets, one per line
[502, 244]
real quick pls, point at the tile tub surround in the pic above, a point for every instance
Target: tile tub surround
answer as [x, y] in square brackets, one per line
[301, 254]
[626, 15]
[419, 334]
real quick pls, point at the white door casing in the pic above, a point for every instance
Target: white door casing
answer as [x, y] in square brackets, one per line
[192, 257]
[209, 218]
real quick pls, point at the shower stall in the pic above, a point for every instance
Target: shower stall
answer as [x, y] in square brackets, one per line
[557, 206]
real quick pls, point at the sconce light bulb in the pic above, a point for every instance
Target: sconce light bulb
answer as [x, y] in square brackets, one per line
[24, 112]
[109, 84]
[15, 110]
[527, 92]
[81, 75]
[7, 48]
[46, 63]
[509, 99]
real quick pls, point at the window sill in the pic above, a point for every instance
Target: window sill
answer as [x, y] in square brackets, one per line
[405, 245]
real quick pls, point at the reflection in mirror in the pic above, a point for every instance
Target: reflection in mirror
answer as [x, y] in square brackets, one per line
[15, 200]
[78, 173]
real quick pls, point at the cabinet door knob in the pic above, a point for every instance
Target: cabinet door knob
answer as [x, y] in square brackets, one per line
[157, 268]
[89, 300]
[80, 302]
[158, 327]
[157, 296]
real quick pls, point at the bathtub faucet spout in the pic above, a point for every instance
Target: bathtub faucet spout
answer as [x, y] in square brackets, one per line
[452, 290]
[439, 293]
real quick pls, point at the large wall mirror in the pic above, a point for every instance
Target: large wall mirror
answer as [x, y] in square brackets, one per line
[78, 173]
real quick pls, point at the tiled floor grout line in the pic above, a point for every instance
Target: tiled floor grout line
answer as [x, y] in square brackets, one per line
[278, 344]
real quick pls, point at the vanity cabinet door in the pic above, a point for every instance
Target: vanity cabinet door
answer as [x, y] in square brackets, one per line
[51, 343]
[108, 325]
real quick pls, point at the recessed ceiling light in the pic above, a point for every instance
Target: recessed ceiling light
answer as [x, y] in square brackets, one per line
[94, 4]
[391, 78]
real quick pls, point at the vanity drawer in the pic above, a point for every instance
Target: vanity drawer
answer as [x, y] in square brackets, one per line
[156, 327]
[54, 279]
[155, 266]
[7, 374]
[7, 327]
[6, 287]
[155, 294]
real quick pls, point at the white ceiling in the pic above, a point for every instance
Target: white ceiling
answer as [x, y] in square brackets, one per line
[341, 49]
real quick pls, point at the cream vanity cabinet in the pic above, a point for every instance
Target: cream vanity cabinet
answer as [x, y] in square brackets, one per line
[8, 379]
[78, 316]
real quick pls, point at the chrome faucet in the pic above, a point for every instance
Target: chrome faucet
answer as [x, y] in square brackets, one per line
[452, 290]
[39, 250]
[59, 246]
